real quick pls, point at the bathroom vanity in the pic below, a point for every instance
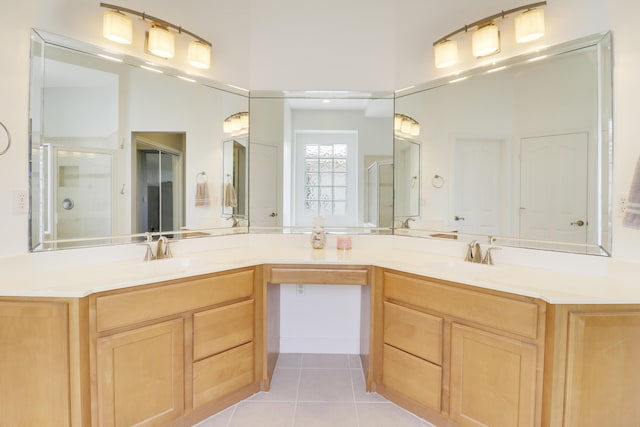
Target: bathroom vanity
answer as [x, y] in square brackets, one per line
[456, 344]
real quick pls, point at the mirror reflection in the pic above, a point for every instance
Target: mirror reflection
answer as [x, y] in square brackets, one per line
[519, 152]
[323, 155]
[120, 148]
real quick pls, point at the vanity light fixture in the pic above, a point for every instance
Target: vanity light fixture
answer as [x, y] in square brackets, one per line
[529, 26]
[237, 123]
[485, 40]
[160, 38]
[406, 125]
[117, 27]
[161, 42]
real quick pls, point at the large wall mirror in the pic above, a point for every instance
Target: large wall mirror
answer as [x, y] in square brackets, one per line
[321, 154]
[120, 147]
[519, 152]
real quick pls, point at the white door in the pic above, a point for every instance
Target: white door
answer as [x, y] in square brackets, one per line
[83, 194]
[553, 201]
[479, 186]
[263, 178]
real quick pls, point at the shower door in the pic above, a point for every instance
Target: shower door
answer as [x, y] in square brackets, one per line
[83, 194]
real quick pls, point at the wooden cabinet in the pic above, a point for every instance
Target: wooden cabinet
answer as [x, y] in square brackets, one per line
[456, 354]
[493, 379]
[141, 375]
[591, 379]
[174, 351]
[34, 364]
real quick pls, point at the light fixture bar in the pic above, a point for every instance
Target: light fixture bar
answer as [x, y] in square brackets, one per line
[153, 19]
[479, 22]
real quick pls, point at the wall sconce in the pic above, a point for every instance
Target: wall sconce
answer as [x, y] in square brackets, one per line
[485, 39]
[405, 125]
[237, 123]
[160, 39]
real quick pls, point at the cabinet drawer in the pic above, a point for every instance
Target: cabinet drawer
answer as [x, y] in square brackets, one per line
[414, 332]
[220, 329]
[222, 374]
[413, 377]
[509, 315]
[127, 308]
[319, 276]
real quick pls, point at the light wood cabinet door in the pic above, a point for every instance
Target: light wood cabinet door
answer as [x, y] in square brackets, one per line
[141, 375]
[34, 364]
[222, 374]
[220, 329]
[603, 381]
[414, 332]
[493, 379]
[416, 379]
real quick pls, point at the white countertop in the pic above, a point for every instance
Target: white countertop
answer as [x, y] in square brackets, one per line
[553, 277]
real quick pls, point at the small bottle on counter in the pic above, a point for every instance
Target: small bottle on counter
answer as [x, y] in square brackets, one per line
[318, 238]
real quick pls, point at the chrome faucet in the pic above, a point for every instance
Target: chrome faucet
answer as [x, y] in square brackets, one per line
[405, 223]
[162, 249]
[474, 252]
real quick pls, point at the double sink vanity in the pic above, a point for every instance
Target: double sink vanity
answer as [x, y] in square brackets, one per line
[114, 340]
[97, 336]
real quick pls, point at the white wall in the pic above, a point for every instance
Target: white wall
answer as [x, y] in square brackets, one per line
[328, 45]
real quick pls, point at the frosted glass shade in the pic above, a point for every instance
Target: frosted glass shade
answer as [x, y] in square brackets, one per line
[199, 54]
[236, 123]
[406, 126]
[446, 53]
[244, 120]
[228, 128]
[397, 122]
[415, 129]
[530, 26]
[161, 42]
[117, 27]
[485, 41]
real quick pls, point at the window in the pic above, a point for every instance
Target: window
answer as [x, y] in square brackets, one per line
[326, 177]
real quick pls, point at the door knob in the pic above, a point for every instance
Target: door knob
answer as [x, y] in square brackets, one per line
[273, 214]
[458, 218]
[579, 223]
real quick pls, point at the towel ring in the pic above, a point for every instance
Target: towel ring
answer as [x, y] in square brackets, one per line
[8, 139]
[437, 181]
[202, 178]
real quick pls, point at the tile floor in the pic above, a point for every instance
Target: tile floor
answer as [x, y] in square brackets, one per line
[315, 390]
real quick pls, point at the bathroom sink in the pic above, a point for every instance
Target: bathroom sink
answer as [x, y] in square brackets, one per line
[468, 271]
[168, 266]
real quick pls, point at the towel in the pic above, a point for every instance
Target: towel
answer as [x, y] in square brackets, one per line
[202, 194]
[230, 199]
[632, 212]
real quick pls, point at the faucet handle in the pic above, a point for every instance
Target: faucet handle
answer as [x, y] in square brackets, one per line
[487, 256]
[148, 255]
[469, 256]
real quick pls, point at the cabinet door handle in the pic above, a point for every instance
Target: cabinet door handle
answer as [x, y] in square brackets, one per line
[579, 223]
[273, 214]
[458, 218]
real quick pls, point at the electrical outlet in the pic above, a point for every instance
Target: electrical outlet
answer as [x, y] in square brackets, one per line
[20, 201]
[299, 290]
[621, 204]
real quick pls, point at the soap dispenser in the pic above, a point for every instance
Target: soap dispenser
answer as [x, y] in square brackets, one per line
[318, 237]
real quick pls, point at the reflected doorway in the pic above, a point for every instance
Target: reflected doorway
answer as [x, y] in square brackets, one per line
[159, 181]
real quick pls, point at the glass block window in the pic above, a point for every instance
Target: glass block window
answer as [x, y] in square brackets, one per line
[325, 179]
[324, 175]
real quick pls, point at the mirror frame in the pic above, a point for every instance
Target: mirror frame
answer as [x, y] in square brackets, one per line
[46, 39]
[603, 45]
